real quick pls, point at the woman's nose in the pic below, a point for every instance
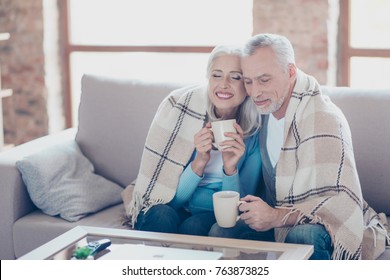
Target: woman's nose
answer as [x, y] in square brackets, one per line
[225, 82]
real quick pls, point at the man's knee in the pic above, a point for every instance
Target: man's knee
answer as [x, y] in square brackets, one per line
[312, 234]
[308, 234]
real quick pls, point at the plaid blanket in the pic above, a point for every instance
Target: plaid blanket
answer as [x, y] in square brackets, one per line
[168, 149]
[317, 163]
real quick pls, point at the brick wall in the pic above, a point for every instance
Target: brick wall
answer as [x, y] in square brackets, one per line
[22, 65]
[305, 23]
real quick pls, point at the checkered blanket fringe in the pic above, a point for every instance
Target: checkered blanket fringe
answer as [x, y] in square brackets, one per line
[168, 149]
[318, 166]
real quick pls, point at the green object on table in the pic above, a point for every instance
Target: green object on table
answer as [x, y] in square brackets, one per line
[82, 253]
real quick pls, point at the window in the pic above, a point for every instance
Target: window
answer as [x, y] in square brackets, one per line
[149, 39]
[364, 43]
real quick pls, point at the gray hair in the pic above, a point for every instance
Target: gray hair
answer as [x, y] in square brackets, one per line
[221, 50]
[281, 45]
[247, 114]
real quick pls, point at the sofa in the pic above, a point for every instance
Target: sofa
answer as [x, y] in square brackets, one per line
[114, 117]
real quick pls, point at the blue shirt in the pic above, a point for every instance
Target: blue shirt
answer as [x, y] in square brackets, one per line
[200, 198]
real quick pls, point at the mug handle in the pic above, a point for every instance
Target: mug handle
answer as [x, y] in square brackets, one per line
[238, 204]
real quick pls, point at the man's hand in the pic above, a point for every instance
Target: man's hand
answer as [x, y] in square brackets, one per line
[259, 216]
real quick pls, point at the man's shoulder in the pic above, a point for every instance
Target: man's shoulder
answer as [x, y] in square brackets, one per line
[324, 106]
[323, 115]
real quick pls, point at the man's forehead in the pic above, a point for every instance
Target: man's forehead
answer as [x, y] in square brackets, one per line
[252, 68]
[256, 66]
[253, 60]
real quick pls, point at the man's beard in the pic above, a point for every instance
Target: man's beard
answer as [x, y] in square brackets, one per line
[273, 107]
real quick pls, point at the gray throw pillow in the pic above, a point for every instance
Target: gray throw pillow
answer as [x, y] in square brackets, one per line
[61, 181]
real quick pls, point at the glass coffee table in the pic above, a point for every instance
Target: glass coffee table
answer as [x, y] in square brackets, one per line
[62, 247]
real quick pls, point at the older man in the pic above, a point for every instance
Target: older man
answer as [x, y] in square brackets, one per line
[311, 192]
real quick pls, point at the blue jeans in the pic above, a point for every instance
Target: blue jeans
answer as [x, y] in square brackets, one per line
[164, 218]
[312, 234]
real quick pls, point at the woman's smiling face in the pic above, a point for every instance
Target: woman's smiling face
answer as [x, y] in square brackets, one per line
[225, 85]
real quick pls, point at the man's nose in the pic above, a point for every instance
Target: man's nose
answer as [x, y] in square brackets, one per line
[255, 91]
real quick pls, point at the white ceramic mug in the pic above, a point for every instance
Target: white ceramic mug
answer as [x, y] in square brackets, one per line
[225, 205]
[219, 128]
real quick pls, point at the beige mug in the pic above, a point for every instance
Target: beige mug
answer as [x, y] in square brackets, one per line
[219, 128]
[225, 205]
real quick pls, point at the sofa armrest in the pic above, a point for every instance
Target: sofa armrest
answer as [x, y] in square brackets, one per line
[14, 198]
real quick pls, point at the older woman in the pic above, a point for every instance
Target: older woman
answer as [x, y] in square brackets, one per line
[180, 170]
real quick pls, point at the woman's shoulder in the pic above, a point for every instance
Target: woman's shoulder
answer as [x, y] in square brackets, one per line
[189, 89]
[252, 141]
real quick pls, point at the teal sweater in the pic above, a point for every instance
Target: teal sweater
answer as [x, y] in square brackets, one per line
[200, 198]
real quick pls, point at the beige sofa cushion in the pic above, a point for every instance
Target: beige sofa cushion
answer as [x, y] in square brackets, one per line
[114, 117]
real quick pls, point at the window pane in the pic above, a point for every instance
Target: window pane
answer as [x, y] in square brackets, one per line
[368, 72]
[370, 24]
[185, 68]
[157, 22]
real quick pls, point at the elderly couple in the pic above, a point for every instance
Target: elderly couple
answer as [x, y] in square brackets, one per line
[291, 159]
